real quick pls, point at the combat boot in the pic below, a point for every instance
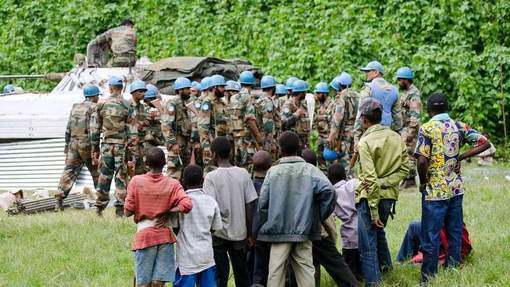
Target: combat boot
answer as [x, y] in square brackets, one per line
[59, 206]
[119, 210]
[99, 210]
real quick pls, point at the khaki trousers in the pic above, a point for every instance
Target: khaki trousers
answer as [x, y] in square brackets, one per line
[300, 256]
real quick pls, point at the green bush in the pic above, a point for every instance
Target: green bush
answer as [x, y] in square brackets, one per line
[458, 47]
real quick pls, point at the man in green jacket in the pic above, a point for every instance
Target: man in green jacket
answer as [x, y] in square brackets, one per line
[384, 163]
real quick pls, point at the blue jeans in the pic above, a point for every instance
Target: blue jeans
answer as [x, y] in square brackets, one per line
[372, 244]
[205, 278]
[155, 263]
[435, 214]
[411, 243]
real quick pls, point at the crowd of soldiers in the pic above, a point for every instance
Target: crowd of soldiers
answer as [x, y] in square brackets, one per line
[111, 136]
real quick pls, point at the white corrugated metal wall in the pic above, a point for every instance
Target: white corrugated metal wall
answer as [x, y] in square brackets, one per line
[35, 164]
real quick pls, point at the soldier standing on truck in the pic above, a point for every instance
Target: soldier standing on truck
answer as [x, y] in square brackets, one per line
[120, 41]
[78, 144]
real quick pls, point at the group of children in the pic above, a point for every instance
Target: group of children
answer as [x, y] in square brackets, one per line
[218, 222]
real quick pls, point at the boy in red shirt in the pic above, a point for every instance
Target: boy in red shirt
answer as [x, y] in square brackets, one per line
[150, 198]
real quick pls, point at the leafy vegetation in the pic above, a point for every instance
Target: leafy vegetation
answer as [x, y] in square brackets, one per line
[459, 47]
[75, 248]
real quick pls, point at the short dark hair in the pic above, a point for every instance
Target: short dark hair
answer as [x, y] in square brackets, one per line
[336, 173]
[155, 158]
[438, 103]
[192, 176]
[269, 89]
[375, 117]
[309, 156]
[289, 143]
[221, 147]
[127, 22]
[262, 161]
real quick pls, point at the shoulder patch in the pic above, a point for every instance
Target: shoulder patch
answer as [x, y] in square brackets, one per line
[197, 105]
[171, 108]
[286, 110]
[206, 106]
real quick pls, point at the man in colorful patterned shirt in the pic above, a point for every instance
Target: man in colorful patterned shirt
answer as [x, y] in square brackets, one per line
[439, 157]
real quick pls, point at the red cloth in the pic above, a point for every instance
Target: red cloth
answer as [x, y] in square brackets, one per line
[465, 249]
[149, 196]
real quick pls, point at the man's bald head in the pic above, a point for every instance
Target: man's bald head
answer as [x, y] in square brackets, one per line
[262, 161]
[155, 159]
[309, 156]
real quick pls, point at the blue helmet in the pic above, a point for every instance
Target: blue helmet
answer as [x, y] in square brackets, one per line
[195, 85]
[116, 81]
[321, 88]
[137, 85]
[267, 82]
[205, 83]
[335, 83]
[374, 65]
[217, 80]
[233, 86]
[182, 83]
[405, 73]
[247, 78]
[345, 79]
[9, 89]
[91, 91]
[299, 86]
[329, 155]
[281, 89]
[289, 82]
[151, 93]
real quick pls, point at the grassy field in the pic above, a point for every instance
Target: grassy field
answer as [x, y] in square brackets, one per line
[75, 248]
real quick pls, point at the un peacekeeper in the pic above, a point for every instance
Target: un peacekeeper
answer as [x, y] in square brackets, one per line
[244, 127]
[288, 88]
[321, 121]
[387, 94]
[268, 114]
[136, 152]
[213, 118]
[176, 128]
[122, 42]
[410, 101]
[278, 100]
[114, 120]
[343, 116]
[295, 113]
[78, 144]
[153, 134]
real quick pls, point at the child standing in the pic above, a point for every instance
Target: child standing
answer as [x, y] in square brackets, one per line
[195, 256]
[150, 198]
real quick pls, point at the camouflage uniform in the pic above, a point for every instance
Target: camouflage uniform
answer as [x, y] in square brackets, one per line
[78, 146]
[122, 41]
[277, 121]
[136, 153]
[267, 112]
[153, 134]
[396, 115]
[213, 122]
[114, 120]
[343, 116]
[410, 101]
[321, 123]
[298, 124]
[242, 108]
[176, 125]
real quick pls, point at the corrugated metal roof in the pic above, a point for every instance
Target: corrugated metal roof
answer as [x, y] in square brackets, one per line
[35, 164]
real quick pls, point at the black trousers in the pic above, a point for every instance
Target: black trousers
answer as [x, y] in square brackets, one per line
[326, 254]
[260, 256]
[353, 261]
[236, 252]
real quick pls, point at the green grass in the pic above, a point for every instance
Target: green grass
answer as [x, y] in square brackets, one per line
[76, 248]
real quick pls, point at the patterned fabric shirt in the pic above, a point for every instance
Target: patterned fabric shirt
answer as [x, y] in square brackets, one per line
[440, 140]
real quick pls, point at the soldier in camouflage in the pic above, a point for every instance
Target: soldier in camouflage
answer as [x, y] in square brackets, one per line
[78, 144]
[295, 113]
[122, 42]
[113, 120]
[243, 118]
[213, 118]
[387, 94]
[410, 101]
[153, 134]
[321, 121]
[177, 128]
[343, 116]
[136, 152]
[268, 115]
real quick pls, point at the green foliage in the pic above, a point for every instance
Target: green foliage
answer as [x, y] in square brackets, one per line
[458, 47]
